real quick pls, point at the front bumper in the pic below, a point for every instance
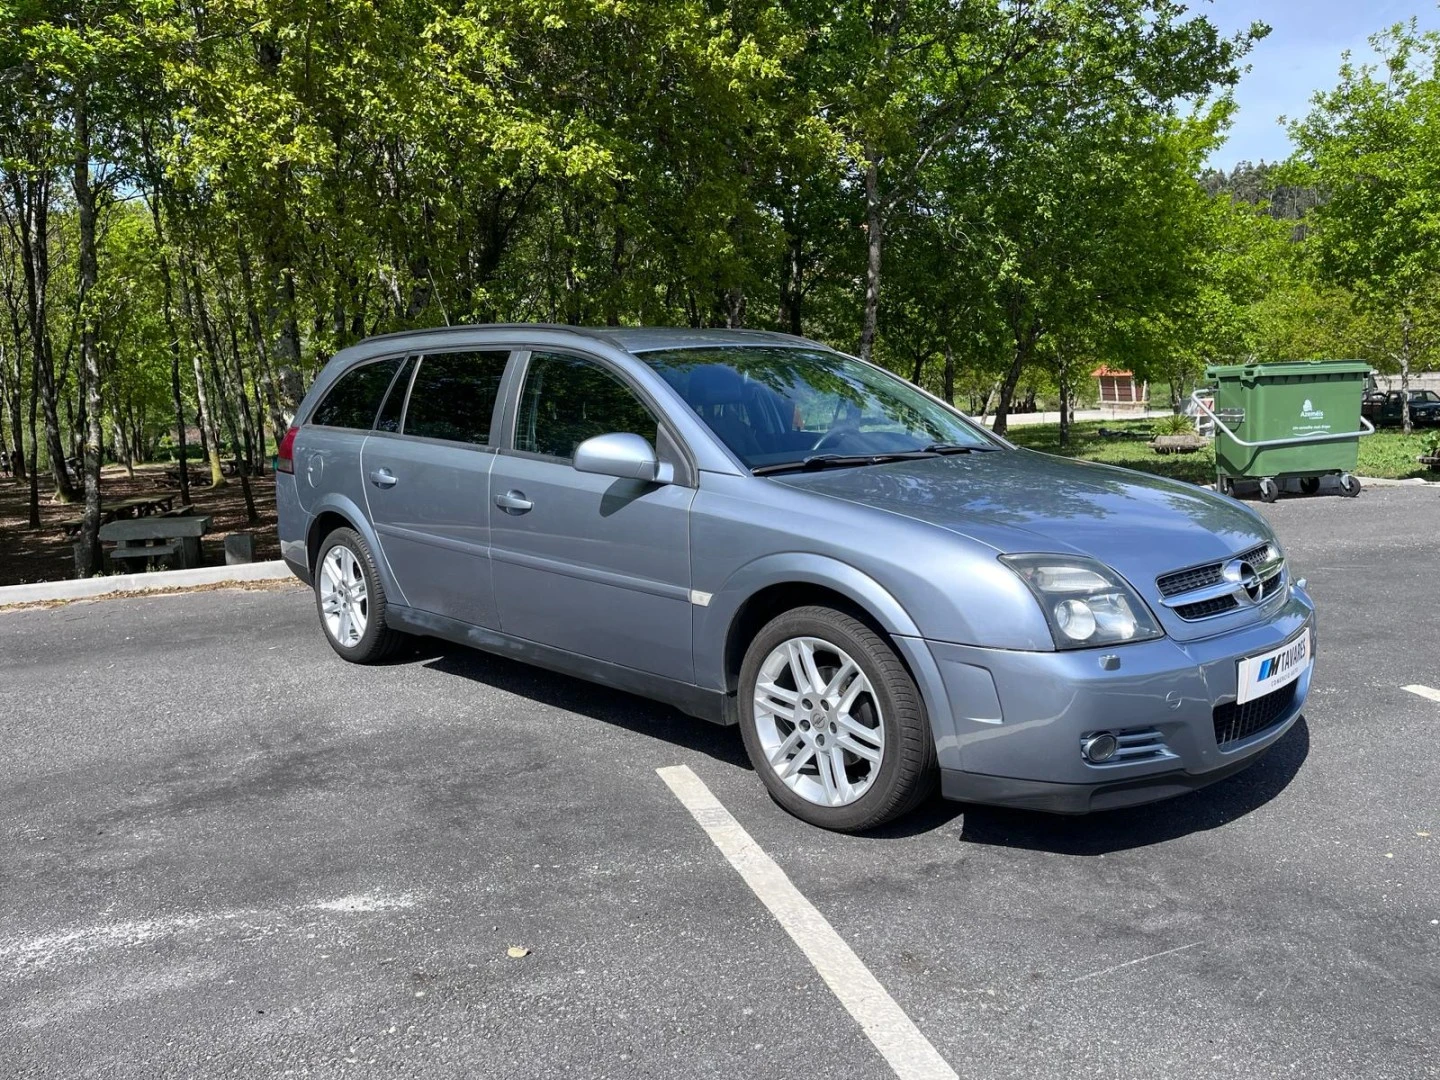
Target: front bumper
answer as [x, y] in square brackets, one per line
[1018, 718]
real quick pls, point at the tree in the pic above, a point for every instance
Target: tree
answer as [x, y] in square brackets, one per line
[1372, 146]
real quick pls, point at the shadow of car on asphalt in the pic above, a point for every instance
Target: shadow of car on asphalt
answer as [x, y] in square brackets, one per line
[1090, 834]
[615, 707]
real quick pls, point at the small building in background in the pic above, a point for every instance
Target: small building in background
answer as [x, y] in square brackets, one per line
[1119, 390]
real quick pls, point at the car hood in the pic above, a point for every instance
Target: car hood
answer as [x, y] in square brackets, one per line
[1017, 501]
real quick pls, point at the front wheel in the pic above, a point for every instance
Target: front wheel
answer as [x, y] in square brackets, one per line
[351, 600]
[832, 721]
[1269, 490]
[1349, 486]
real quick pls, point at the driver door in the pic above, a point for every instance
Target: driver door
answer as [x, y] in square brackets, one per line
[589, 564]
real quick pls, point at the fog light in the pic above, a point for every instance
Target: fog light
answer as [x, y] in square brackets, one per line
[1099, 748]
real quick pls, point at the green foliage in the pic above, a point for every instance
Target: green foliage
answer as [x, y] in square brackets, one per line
[1175, 424]
[277, 180]
[1386, 454]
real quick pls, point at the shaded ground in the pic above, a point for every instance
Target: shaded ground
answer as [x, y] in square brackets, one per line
[28, 555]
[1387, 454]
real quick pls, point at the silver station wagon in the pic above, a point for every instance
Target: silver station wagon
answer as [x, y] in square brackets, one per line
[761, 531]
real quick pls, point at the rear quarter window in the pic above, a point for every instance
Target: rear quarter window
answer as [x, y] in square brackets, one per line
[355, 398]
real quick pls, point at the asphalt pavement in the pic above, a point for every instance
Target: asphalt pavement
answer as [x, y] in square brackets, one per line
[224, 852]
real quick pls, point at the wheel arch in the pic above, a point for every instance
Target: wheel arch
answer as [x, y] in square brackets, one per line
[759, 591]
[337, 512]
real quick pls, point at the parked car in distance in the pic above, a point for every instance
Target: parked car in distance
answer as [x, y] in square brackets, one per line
[1386, 408]
[762, 531]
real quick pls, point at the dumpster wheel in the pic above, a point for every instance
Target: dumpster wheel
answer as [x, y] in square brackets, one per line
[1269, 489]
[1309, 485]
[1349, 485]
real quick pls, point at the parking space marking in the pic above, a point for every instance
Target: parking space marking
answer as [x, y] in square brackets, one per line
[899, 1041]
[1424, 691]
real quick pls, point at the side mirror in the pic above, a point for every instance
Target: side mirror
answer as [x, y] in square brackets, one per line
[624, 455]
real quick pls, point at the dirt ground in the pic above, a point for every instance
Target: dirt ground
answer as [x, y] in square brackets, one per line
[29, 555]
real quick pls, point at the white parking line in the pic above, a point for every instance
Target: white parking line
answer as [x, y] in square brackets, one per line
[1424, 691]
[899, 1041]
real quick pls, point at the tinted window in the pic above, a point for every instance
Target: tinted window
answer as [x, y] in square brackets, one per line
[567, 400]
[394, 407]
[453, 396]
[355, 397]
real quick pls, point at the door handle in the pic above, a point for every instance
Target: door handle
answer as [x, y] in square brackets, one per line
[383, 478]
[513, 502]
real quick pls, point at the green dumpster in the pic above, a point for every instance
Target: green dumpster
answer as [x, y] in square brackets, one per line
[1280, 422]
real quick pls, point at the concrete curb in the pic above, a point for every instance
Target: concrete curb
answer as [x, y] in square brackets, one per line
[1379, 481]
[80, 589]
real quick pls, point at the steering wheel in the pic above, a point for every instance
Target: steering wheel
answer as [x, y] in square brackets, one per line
[834, 435]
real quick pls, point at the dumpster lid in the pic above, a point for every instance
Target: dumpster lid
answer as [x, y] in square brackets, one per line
[1288, 367]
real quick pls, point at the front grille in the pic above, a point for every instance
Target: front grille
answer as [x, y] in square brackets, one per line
[1198, 577]
[1234, 723]
[1179, 582]
[1206, 608]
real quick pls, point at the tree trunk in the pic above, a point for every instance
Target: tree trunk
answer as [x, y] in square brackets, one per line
[209, 435]
[1406, 326]
[1024, 349]
[874, 230]
[34, 503]
[1064, 404]
[949, 372]
[265, 373]
[89, 560]
[792, 278]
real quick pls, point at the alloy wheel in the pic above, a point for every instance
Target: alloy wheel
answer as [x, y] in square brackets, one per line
[344, 597]
[819, 721]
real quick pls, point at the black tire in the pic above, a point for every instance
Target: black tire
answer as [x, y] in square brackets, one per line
[1349, 486]
[907, 770]
[1269, 490]
[1309, 485]
[379, 641]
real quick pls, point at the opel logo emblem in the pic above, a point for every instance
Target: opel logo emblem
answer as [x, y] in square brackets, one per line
[1239, 572]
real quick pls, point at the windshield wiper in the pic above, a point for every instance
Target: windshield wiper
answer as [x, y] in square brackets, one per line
[958, 448]
[840, 461]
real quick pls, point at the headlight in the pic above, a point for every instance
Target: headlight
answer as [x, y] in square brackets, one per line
[1086, 603]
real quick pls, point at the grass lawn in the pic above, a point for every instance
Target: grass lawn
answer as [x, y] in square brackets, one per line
[1387, 454]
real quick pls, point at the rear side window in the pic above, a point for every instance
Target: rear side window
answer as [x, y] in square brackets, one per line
[567, 400]
[394, 407]
[453, 396]
[354, 399]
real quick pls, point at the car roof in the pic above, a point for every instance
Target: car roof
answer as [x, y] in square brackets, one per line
[634, 339]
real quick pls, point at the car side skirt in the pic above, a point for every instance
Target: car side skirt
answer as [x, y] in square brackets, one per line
[715, 706]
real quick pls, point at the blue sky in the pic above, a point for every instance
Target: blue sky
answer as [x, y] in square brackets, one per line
[1301, 56]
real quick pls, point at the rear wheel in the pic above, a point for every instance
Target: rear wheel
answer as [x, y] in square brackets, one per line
[1309, 485]
[832, 721]
[1349, 485]
[351, 600]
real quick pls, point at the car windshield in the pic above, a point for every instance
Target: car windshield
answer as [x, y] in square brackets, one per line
[778, 405]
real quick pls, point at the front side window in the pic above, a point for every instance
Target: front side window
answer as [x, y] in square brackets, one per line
[567, 400]
[775, 405]
[354, 399]
[453, 396]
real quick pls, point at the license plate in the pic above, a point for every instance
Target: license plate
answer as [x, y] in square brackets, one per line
[1260, 675]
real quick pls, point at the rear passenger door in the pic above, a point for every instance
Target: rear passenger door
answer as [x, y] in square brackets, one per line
[590, 564]
[427, 481]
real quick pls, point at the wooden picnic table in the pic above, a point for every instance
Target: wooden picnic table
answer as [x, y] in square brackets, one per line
[158, 536]
[137, 507]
